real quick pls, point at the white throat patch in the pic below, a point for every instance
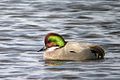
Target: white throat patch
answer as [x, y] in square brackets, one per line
[51, 49]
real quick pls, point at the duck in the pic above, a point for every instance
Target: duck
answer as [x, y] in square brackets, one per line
[56, 48]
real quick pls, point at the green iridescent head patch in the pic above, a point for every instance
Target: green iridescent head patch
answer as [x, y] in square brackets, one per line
[57, 39]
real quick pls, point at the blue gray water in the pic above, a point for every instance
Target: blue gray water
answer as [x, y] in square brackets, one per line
[24, 23]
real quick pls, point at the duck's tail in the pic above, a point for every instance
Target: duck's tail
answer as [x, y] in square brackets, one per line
[98, 51]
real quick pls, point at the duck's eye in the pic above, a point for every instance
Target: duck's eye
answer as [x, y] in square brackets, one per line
[57, 45]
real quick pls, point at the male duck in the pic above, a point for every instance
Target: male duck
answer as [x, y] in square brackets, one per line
[56, 48]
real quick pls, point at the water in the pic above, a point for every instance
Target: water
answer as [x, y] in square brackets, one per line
[24, 23]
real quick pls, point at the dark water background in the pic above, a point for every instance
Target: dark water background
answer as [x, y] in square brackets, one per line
[24, 23]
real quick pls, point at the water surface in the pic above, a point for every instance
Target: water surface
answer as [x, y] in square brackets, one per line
[24, 23]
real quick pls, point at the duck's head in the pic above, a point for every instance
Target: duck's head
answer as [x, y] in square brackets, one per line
[53, 40]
